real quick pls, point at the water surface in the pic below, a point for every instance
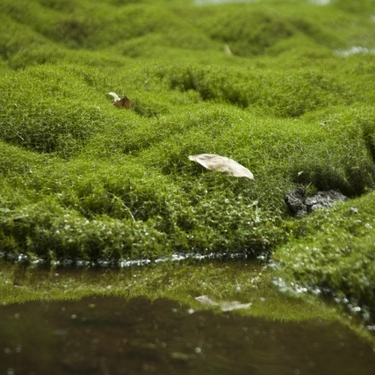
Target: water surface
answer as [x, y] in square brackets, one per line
[110, 335]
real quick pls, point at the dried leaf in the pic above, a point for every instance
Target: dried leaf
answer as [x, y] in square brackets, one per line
[221, 163]
[224, 305]
[124, 102]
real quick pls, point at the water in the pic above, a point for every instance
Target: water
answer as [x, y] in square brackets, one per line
[112, 335]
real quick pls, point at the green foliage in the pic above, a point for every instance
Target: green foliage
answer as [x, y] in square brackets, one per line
[360, 6]
[15, 161]
[256, 31]
[262, 83]
[278, 93]
[335, 251]
[45, 109]
[46, 230]
[148, 177]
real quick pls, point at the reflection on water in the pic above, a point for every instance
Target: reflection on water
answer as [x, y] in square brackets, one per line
[109, 335]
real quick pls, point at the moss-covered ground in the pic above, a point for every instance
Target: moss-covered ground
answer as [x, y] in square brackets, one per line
[266, 83]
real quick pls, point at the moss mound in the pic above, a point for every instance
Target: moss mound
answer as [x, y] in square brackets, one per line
[335, 251]
[49, 109]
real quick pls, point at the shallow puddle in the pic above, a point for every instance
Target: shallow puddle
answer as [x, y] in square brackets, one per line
[111, 335]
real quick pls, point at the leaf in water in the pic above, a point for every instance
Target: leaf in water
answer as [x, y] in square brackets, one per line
[180, 356]
[206, 300]
[224, 305]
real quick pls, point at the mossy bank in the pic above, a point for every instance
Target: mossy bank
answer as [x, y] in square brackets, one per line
[281, 90]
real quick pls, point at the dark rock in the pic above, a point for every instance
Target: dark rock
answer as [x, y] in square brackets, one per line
[295, 200]
[300, 205]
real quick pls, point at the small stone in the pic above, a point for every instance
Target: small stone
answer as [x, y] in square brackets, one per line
[300, 205]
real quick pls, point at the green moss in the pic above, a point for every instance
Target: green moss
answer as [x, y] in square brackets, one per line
[257, 31]
[137, 161]
[335, 250]
[277, 93]
[49, 109]
[84, 179]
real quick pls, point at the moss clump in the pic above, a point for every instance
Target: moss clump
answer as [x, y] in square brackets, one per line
[258, 30]
[268, 92]
[46, 228]
[49, 109]
[335, 251]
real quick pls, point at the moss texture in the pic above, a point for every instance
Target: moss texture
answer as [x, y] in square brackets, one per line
[82, 179]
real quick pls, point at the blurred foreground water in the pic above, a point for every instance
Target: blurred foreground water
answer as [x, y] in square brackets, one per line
[109, 335]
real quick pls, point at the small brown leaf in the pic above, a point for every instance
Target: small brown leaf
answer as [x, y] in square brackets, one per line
[121, 103]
